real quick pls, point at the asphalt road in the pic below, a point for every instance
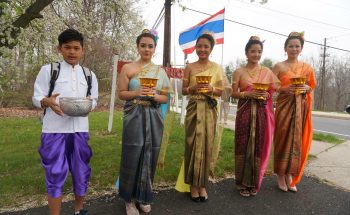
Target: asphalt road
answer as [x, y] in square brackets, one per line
[313, 197]
[337, 127]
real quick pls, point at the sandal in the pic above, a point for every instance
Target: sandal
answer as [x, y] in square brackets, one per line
[244, 193]
[131, 208]
[203, 195]
[253, 192]
[193, 194]
[145, 208]
[195, 199]
[203, 198]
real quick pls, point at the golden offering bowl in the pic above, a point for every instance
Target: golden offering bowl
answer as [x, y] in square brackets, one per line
[203, 79]
[148, 82]
[299, 81]
[260, 87]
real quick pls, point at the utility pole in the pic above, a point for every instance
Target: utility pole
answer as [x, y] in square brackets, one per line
[167, 33]
[323, 75]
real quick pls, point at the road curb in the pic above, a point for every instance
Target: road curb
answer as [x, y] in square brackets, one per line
[331, 115]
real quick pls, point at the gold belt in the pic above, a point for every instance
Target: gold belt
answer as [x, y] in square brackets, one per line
[141, 102]
[197, 97]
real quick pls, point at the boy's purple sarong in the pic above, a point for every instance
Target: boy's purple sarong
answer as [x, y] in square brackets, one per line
[63, 152]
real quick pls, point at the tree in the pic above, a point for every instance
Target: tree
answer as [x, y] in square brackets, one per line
[340, 89]
[229, 71]
[267, 62]
[337, 91]
[106, 25]
[11, 28]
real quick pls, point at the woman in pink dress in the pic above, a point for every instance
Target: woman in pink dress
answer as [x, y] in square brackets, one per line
[254, 120]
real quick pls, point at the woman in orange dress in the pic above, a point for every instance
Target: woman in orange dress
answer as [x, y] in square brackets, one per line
[254, 121]
[293, 134]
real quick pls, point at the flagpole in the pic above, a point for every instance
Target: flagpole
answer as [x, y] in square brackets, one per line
[220, 101]
[222, 49]
[184, 100]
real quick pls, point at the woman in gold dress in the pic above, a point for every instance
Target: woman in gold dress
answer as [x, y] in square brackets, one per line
[201, 116]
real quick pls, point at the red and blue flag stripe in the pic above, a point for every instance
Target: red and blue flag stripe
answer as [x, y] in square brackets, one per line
[213, 24]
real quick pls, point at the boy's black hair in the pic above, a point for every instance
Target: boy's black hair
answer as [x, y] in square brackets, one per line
[70, 35]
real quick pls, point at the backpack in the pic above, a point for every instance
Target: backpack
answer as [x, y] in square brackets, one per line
[55, 72]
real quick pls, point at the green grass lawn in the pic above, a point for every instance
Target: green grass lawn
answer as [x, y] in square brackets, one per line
[327, 138]
[22, 177]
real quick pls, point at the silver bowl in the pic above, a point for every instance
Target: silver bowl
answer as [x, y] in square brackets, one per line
[73, 106]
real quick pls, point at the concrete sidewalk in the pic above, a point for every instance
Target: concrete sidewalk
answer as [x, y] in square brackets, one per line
[332, 163]
[336, 115]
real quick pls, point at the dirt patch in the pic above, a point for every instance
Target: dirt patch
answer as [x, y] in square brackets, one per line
[27, 112]
[19, 112]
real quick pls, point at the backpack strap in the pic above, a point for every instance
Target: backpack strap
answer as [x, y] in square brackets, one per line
[54, 73]
[87, 74]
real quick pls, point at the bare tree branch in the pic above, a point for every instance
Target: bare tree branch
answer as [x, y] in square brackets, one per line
[31, 13]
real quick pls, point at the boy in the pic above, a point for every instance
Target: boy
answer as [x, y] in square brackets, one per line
[64, 139]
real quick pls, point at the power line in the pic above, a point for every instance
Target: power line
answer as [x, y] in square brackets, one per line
[159, 19]
[300, 17]
[334, 5]
[269, 31]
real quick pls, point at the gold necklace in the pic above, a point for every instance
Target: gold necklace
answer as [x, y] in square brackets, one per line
[205, 67]
[145, 69]
[254, 72]
[294, 69]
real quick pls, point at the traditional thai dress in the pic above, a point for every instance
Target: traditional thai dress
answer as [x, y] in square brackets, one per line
[200, 124]
[293, 133]
[254, 130]
[141, 140]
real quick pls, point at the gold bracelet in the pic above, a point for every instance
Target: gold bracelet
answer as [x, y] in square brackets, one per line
[241, 94]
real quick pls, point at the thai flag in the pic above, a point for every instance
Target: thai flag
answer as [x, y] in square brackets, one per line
[214, 23]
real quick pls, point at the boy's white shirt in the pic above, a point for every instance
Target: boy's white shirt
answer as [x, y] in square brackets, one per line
[71, 82]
